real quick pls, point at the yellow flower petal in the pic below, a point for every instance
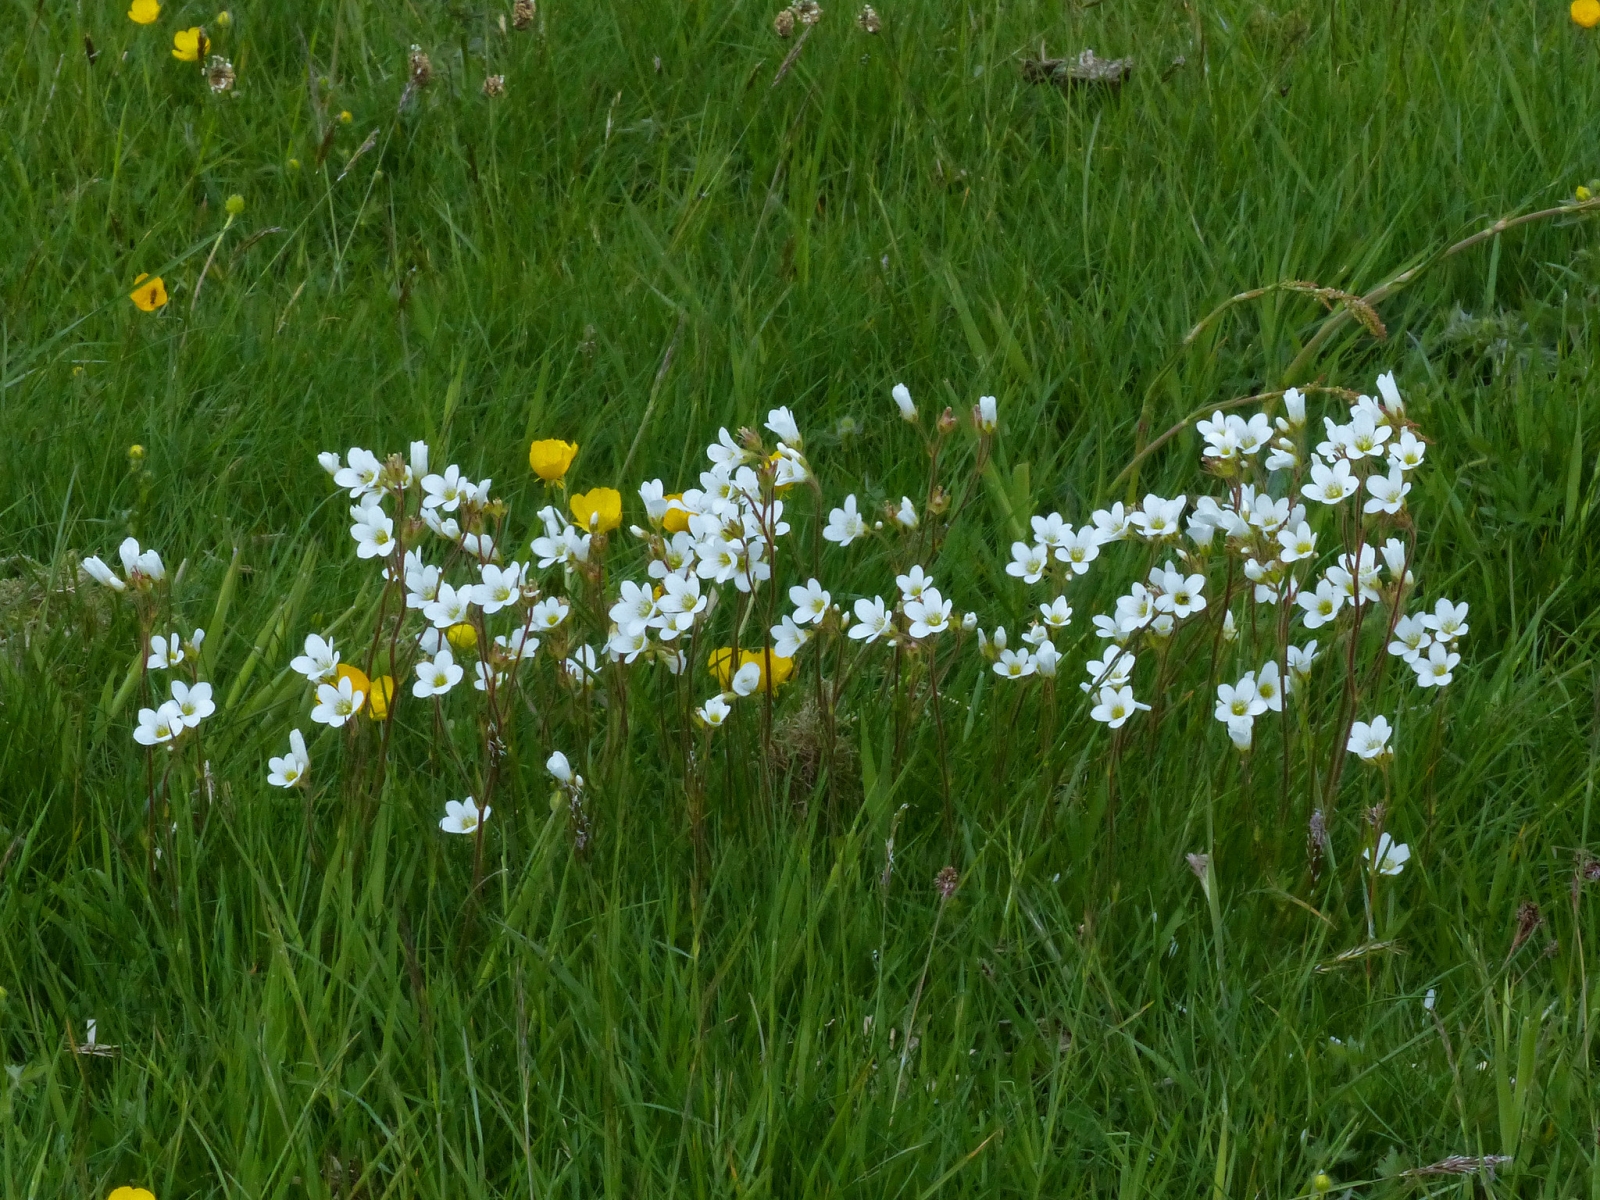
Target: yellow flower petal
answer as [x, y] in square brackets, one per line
[144, 12]
[676, 518]
[378, 698]
[148, 294]
[551, 458]
[190, 45]
[131, 1193]
[462, 636]
[598, 511]
[1586, 13]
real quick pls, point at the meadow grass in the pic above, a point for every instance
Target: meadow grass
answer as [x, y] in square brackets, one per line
[312, 1012]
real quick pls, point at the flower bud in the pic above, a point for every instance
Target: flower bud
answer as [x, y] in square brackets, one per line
[902, 398]
[947, 421]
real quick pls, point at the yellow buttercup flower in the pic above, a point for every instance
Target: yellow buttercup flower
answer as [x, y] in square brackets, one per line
[599, 510]
[148, 293]
[345, 118]
[551, 458]
[144, 12]
[131, 1193]
[462, 636]
[1586, 13]
[676, 518]
[721, 669]
[378, 697]
[190, 45]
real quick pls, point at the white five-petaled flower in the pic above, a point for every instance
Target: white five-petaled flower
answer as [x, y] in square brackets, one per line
[1411, 637]
[1406, 451]
[158, 725]
[873, 620]
[810, 602]
[781, 421]
[1027, 562]
[373, 530]
[500, 586]
[1181, 595]
[548, 613]
[437, 675]
[561, 771]
[164, 652]
[929, 613]
[746, 679]
[1080, 548]
[845, 524]
[1113, 670]
[913, 583]
[1057, 614]
[1437, 667]
[679, 605]
[1158, 517]
[635, 607]
[1370, 742]
[193, 704]
[906, 515]
[292, 767]
[1297, 543]
[1392, 857]
[462, 816]
[787, 638]
[1267, 687]
[626, 645]
[1448, 621]
[362, 474]
[1322, 605]
[1300, 659]
[336, 704]
[446, 491]
[1332, 485]
[1115, 706]
[1015, 664]
[320, 660]
[1239, 700]
[1388, 492]
[713, 712]
[450, 607]
[1112, 523]
[1051, 531]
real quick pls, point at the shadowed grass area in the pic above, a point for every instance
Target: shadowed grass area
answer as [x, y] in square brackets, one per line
[322, 1008]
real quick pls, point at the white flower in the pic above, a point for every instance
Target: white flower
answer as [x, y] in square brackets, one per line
[969, 621]
[329, 462]
[450, 607]
[1406, 452]
[422, 582]
[1411, 637]
[1300, 660]
[1392, 402]
[713, 712]
[419, 459]
[140, 564]
[361, 475]
[627, 644]
[873, 620]
[1448, 621]
[445, 491]
[1047, 659]
[810, 602]
[100, 573]
[158, 725]
[1220, 442]
[1297, 543]
[1370, 743]
[320, 660]
[1294, 405]
[913, 583]
[1332, 485]
[845, 524]
[679, 605]
[781, 421]
[194, 704]
[478, 545]
[906, 515]
[1239, 699]
[1435, 670]
[446, 527]
[1241, 732]
[929, 614]
[1051, 531]
[986, 416]
[1036, 636]
[164, 653]
[1395, 556]
[582, 666]
[635, 608]
[1392, 857]
[1322, 605]
[725, 452]
[654, 496]
[462, 816]
[1135, 610]
[1057, 614]
[1113, 670]
[1388, 492]
[520, 645]
[1116, 706]
[746, 679]
[1027, 562]
[1158, 518]
[373, 532]
[336, 704]
[1181, 595]
[787, 638]
[292, 767]
[1080, 548]
[1283, 456]
[548, 613]
[1250, 435]
[561, 770]
[1267, 689]
[437, 675]
[1230, 627]
[902, 399]
[1111, 523]
[1015, 664]
[501, 586]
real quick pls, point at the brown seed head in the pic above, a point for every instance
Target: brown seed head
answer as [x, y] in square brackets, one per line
[522, 13]
[219, 74]
[421, 68]
[783, 23]
[808, 12]
[868, 20]
[494, 85]
[946, 882]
